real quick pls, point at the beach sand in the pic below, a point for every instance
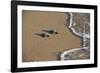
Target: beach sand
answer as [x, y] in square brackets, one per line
[36, 48]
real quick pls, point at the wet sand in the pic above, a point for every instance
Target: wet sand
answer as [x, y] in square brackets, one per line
[36, 48]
